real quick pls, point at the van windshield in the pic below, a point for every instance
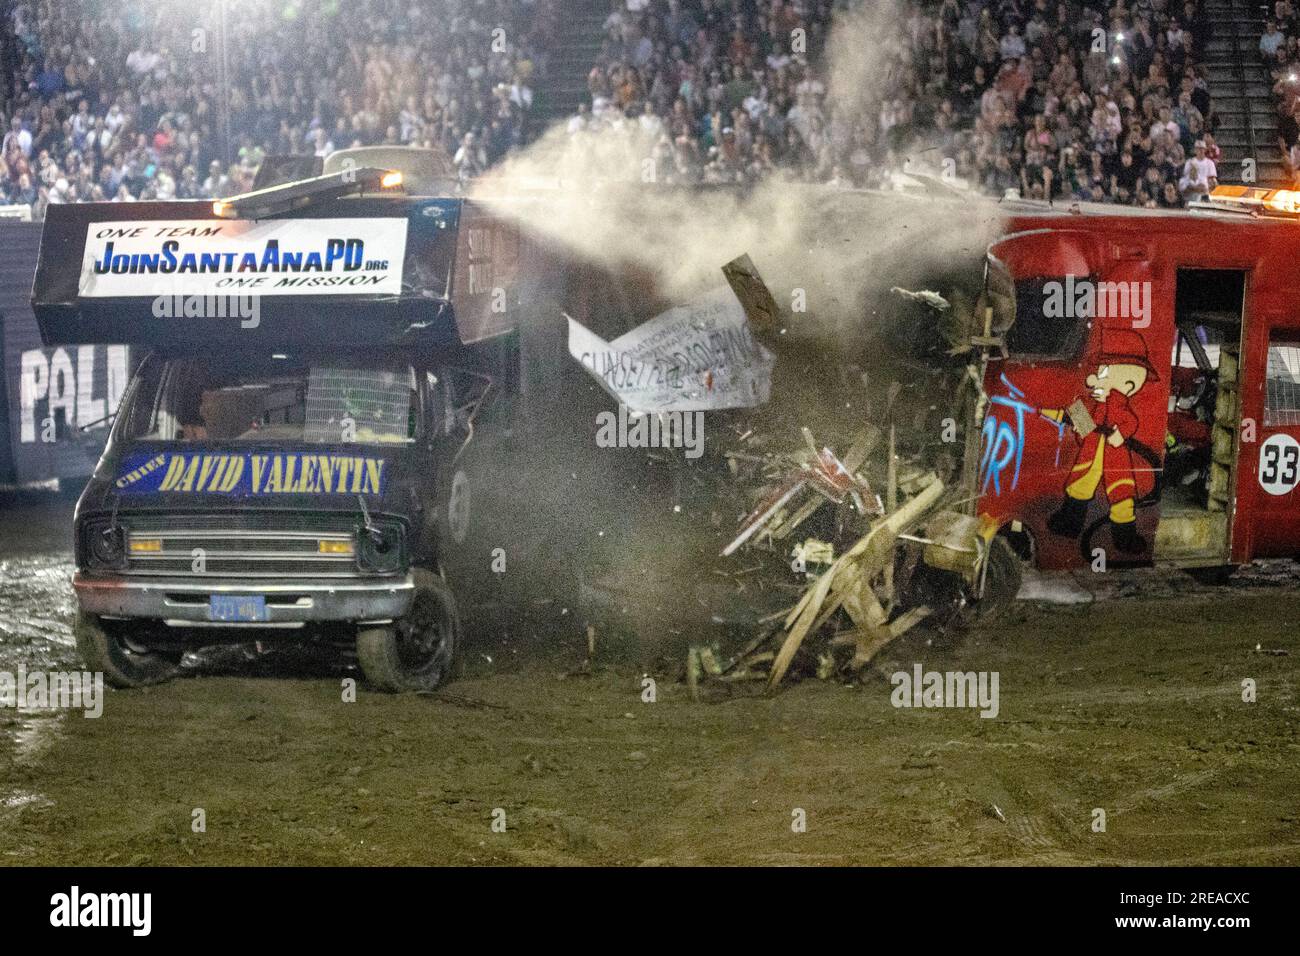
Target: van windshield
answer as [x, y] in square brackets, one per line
[275, 399]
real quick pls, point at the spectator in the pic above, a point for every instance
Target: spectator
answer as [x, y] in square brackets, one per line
[470, 159]
[1271, 41]
[1199, 175]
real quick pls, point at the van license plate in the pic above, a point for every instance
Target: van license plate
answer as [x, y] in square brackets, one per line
[237, 607]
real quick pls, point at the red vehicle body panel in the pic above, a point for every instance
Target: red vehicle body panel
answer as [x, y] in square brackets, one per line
[1026, 460]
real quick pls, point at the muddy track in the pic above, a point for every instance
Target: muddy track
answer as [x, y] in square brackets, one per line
[1129, 706]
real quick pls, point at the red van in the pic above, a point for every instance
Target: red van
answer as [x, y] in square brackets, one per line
[1143, 395]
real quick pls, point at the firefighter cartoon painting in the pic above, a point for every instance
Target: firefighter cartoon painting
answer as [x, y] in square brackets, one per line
[1104, 425]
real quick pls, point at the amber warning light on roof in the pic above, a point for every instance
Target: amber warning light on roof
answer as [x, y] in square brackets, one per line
[1252, 198]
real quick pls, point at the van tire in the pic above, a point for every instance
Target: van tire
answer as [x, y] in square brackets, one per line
[1002, 580]
[103, 648]
[420, 651]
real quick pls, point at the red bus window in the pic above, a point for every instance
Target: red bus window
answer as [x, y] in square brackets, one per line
[1048, 324]
[1282, 384]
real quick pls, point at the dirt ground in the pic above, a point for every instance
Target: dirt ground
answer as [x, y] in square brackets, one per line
[1132, 704]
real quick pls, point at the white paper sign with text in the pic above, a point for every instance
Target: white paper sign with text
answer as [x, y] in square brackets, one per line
[695, 357]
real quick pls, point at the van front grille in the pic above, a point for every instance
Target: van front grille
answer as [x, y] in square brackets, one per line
[185, 546]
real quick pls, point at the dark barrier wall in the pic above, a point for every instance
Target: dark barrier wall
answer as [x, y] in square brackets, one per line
[48, 392]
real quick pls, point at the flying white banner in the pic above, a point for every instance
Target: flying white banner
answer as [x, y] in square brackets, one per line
[690, 358]
[239, 257]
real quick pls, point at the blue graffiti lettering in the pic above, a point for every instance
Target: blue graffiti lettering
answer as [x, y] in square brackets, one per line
[1003, 442]
[1000, 446]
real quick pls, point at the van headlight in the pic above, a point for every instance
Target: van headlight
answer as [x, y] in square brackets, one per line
[380, 548]
[104, 546]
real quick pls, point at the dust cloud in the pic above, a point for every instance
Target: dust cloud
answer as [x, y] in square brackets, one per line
[829, 255]
[597, 192]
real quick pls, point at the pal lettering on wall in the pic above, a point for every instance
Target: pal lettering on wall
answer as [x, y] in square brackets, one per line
[63, 388]
[237, 257]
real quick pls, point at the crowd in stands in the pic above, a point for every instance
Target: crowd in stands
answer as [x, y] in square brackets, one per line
[1279, 47]
[1100, 100]
[118, 99]
[1083, 99]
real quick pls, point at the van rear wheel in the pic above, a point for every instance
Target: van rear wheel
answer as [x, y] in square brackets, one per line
[419, 651]
[106, 647]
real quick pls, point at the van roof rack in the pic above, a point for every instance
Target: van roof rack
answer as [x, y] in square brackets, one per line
[287, 197]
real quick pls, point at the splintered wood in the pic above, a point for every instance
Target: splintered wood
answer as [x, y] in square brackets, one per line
[859, 581]
[848, 583]
[821, 472]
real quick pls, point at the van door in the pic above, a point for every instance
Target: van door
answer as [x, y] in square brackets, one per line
[1270, 466]
[1198, 483]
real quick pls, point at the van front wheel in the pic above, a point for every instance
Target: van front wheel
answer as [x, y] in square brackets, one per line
[1002, 579]
[417, 652]
[106, 647]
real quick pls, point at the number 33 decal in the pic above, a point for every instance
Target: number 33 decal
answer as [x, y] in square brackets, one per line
[1279, 464]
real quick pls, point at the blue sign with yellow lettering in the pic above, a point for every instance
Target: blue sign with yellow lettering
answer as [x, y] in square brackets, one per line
[251, 474]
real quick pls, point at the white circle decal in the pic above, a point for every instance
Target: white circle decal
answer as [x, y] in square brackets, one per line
[1279, 464]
